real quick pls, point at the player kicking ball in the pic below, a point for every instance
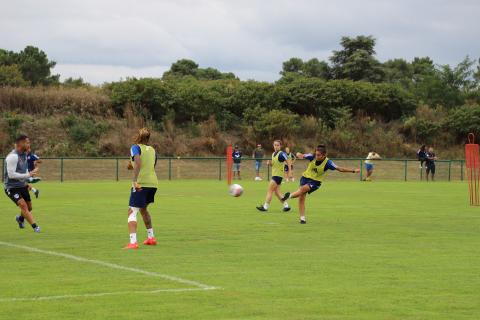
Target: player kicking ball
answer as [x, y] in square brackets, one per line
[144, 187]
[313, 176]
[279, 159]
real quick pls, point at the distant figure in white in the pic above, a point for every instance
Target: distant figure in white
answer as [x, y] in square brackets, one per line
[369, 164]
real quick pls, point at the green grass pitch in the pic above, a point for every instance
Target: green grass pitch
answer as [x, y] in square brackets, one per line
[381, 250]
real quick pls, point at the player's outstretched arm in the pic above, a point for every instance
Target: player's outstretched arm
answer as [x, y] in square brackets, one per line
[300, 155]
[348, 170]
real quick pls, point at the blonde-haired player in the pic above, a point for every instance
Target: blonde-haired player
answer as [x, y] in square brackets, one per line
[144, 187]
[279, 158]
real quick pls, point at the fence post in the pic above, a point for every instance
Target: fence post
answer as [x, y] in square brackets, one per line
[449, 169]
[461, 170]
[268, 172]
[116, 169]
[169, 168]
[61, 169]
[361, 170]
[220, 169]
[405, 170]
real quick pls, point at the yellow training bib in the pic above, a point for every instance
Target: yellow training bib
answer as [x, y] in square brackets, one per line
[278, 168]
[315, 172]
[147, 176]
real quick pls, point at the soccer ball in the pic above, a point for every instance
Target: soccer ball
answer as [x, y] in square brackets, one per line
[236, 190]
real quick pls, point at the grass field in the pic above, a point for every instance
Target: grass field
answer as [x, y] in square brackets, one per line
[380, 250]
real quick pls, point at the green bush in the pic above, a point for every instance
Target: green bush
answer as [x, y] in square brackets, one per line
[277, 124]
[464, 120]
[13, 121]
[83, 131]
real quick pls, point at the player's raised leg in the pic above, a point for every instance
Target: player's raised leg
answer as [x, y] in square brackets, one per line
[280, 196]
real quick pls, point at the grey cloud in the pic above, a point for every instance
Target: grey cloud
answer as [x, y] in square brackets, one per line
[251, 38]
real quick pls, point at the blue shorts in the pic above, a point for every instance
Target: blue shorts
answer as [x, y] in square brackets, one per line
[286, 168]
[313, 184]
[142, 198]
[278, 180]
[258, 165]
[368, 166]
[236, 166]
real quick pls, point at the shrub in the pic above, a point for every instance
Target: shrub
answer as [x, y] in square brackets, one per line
[83, 131]
[13, 122]
[464, 120]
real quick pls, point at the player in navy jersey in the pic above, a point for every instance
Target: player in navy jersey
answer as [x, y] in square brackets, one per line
[33, 162]
[237, 160]
[289, 171]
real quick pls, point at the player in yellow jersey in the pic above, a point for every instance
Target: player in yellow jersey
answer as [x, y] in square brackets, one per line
[144, 187]
[313, 176]
[279, 158]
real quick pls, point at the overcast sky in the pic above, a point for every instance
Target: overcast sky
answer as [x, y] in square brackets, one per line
[105, 40]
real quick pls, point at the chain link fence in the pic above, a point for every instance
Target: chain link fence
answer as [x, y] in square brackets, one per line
[176, 168]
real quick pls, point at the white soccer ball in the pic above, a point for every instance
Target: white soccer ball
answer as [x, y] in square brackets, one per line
[236, 190]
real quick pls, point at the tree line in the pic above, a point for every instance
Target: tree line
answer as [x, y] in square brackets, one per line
[419, 99]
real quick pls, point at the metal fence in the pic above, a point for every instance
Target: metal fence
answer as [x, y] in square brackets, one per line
[174, 168]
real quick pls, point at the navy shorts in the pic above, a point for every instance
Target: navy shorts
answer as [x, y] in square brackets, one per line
[278, 180]
[313, 184]
[368, 166]
[142, 198]
[15, 194]
[430, 168]
[286, 168]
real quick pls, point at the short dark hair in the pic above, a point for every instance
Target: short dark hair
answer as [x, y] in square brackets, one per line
[321, 148]
[21, 137]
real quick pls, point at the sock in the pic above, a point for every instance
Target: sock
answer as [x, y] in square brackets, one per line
[285, 204]
[302, 218]
[266, 205]
[21, 218]
[150, 233]
[34, 190]
[34, 225]
[133, 238]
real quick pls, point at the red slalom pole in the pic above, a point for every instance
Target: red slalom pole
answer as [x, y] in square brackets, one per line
[229, 164]
[472, 162]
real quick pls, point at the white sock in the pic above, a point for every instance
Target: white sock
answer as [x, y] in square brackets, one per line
[266, 205]
[302, 218]
[150, 233]
[285, 204]
[133, 238]
[34, 190]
